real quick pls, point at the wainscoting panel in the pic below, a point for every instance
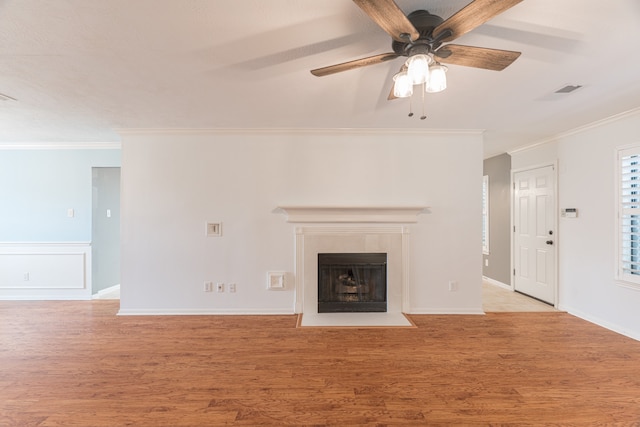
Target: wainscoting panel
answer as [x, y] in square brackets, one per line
[60, 270]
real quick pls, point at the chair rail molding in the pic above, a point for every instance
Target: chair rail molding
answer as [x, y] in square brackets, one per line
[45, 270]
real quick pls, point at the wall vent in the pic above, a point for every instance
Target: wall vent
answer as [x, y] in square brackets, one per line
[568, 88]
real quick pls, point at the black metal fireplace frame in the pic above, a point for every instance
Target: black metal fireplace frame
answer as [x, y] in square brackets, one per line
[344, 261]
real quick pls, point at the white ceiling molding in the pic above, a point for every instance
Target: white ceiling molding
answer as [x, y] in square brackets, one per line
[299, 131]
[62, 146]
[577, 130]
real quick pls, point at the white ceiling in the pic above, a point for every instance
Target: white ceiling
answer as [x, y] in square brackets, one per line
[80, 69]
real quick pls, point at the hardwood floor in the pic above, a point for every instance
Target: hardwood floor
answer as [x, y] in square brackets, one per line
[78, 364]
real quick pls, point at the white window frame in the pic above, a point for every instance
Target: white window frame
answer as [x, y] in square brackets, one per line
[485, 214]
[628, 216]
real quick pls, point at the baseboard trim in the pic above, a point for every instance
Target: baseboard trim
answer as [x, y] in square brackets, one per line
[203, 312]
[452, 311]
[603, 323]
[105, 291]
[45, 297]
[497, 283]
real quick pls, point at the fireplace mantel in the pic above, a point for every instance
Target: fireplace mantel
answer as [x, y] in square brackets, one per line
[361, 214]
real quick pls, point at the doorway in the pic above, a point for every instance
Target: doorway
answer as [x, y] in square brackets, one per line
[534, 243]
[105, 230]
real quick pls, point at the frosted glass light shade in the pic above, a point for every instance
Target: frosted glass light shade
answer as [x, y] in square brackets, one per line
[437, 79]
[403, 86]
[418, 68]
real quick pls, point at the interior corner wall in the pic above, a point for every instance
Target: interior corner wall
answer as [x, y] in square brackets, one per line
[173, 183]
[497, 263]
[586, 244]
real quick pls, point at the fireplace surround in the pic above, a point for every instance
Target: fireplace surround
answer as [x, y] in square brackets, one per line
[357, 229]
[314, 240]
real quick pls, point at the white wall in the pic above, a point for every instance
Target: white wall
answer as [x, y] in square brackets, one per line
[44, 252]
[173, 183]
[586, 181]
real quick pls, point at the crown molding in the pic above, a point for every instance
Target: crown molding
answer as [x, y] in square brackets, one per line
[298, 131]
[576, 131]
[61, 146]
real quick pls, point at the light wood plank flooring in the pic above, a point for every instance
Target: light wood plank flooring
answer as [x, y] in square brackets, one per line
[78, 364]
[496, 299]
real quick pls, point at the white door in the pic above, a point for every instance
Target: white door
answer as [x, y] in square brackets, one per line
[535, 233]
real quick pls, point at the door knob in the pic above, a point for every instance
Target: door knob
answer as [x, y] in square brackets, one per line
[549, 242]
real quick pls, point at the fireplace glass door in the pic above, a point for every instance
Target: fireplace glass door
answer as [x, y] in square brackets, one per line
[352, 282]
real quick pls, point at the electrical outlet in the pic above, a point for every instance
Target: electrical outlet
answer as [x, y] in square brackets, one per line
[219, 287]
[453, 286]
[486, 262]
[232, 287]
[208, 286]
[25, 277]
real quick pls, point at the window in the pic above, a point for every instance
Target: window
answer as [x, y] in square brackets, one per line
[628, 219]
[485, 214]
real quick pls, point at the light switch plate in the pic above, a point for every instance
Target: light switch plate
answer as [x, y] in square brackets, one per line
[213, 229]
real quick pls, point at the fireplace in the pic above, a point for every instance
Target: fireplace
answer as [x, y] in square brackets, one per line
[352, 282]
[352, 229]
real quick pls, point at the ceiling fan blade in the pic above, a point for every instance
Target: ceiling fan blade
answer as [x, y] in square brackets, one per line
[390, 18]
[471, 16]
[477, 57]
[363, 62]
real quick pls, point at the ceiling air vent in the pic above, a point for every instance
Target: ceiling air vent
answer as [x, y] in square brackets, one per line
[568, 88]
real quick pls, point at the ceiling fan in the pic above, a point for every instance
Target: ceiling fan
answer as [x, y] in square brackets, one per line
[422, 34]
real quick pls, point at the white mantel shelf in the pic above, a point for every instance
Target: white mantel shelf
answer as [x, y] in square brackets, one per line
[342, 214]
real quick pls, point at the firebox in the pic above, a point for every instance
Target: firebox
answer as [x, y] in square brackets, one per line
[352, 282]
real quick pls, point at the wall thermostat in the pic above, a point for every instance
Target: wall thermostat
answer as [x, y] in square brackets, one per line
[569, 213]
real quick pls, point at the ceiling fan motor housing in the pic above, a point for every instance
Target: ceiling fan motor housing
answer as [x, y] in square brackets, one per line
[425, 23]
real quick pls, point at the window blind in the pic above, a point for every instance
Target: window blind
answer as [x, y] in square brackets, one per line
[485, 214]
[629, 214]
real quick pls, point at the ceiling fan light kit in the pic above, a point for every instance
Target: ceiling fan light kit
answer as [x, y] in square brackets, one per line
[423, 37]
[437, 78]
[434, 78]
[403, 85]
[418, 68]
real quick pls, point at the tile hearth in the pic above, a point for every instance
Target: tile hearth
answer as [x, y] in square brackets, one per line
[363, 320]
